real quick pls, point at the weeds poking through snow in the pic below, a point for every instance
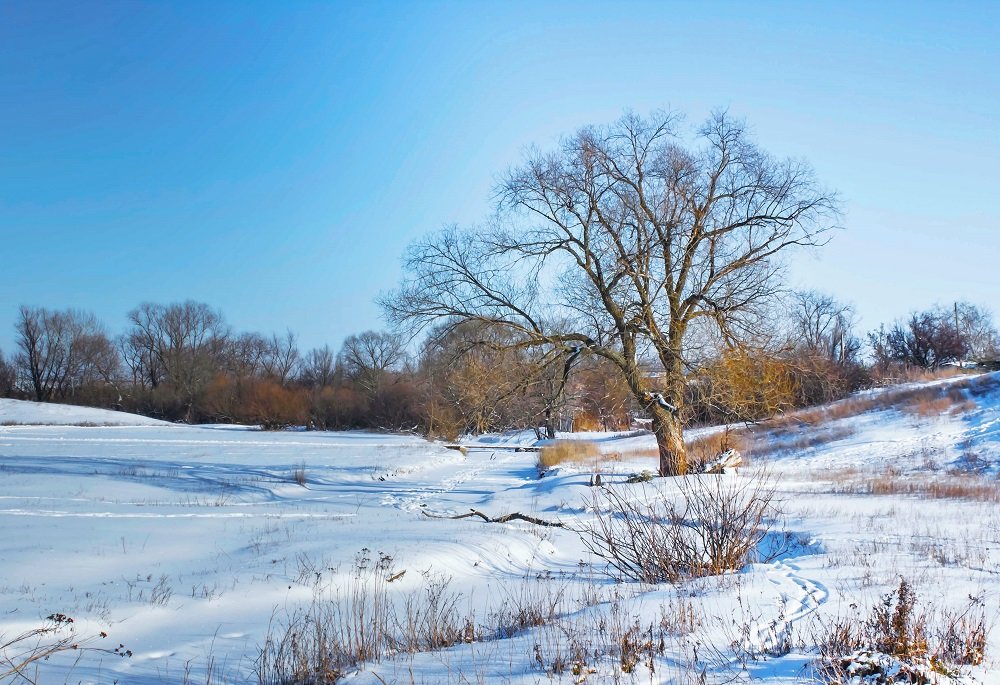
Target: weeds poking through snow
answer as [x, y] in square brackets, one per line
[899, 643]
[57, 635]
[361, 622]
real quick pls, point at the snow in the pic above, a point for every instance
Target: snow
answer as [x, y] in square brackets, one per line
[186, 542]
[13, 412]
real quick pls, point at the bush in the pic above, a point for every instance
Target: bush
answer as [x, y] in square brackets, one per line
[717, 526]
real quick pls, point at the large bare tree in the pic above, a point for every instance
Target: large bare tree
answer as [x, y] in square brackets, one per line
[619, 243]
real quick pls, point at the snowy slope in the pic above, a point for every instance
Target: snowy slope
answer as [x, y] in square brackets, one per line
[37, 413]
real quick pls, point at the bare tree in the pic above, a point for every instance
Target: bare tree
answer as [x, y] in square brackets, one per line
[61, 352]
[618, 244]
[245, 354]
[319, 367]
[975, 325]
[927, 340]
[368, 356]
[8, 377]
[477, 379]
[824, 327]
[180, 344]
[282, 357]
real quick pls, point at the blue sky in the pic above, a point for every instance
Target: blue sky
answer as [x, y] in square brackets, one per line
[274, 159]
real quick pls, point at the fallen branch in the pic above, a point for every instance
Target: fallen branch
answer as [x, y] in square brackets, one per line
[506, 518]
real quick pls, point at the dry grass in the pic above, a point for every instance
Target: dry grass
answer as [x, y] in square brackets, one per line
[955, 398]
[636, 453]
[951, 486]
[941, 485]
[370, 619]
[568, 452]
[299, 475]
[362, 621]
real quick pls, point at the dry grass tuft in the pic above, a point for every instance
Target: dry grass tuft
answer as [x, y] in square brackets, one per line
[952, 487]
[567, 452]
[637, 453]
[939, 485]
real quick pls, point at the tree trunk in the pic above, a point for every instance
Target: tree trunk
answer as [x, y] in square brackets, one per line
[550, 424]
[669, 441]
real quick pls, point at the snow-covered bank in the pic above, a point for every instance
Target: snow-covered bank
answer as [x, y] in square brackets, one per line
[21, 412]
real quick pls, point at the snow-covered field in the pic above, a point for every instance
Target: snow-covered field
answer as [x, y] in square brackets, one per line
[189, 545]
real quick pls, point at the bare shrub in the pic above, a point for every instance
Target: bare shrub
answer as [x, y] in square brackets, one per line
[299, 475]
[716, 526]
[567, 451]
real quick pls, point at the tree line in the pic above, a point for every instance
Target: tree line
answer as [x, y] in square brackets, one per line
[183, 362]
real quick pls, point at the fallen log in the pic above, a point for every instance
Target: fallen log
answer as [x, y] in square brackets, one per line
[730, 459]
[506, 518]
[491, 448]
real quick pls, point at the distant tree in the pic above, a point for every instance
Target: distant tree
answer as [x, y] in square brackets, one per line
[822, 350]
[368, 357]
[928, 340]
[62, 352]
[282, 357]
[978, 332]
[743, 383]
[8, 377]
[620, 243]
[477, 381]
[318, 368]
[600, 395]
[824, 327]
[245, 354]
[251, 355]
[177, 347]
